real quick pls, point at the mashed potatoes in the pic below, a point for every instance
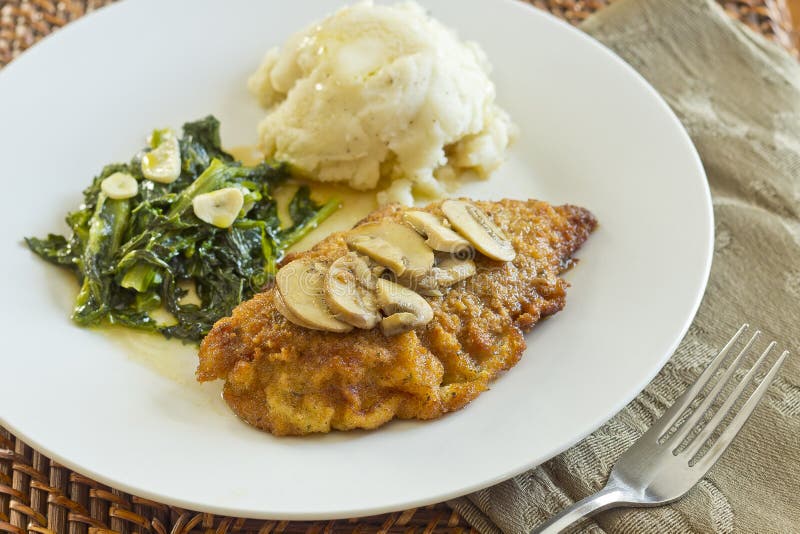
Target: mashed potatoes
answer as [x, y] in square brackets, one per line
[381, 96]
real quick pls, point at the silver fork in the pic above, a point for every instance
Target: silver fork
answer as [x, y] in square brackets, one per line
[662, 466]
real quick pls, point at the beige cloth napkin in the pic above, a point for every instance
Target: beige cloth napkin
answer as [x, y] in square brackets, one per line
[739, 97]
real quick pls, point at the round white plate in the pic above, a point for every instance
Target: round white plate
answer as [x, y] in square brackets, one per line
[119, 408]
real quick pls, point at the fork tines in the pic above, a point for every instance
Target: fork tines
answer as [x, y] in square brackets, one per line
[691, 434]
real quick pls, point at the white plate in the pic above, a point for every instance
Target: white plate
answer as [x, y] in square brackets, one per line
[593, 133]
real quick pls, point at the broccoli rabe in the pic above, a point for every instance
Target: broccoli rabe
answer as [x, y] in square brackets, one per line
[135, 255]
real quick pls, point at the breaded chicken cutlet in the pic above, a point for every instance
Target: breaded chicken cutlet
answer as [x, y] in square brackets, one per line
[291, 380]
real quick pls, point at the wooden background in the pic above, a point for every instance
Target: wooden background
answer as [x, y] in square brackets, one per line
[793, 7]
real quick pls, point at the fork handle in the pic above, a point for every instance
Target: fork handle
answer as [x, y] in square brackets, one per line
[606, 498]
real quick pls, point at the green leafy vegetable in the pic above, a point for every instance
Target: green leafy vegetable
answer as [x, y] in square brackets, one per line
[306, 216]
[137, 255]
[106, 228]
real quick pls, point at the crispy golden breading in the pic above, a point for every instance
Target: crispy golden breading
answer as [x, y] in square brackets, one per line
[290, 380]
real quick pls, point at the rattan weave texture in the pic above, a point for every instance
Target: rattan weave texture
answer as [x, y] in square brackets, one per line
[24, 22]
[39, 495]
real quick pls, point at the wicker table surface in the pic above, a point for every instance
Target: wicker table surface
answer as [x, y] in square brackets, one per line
[38, 495]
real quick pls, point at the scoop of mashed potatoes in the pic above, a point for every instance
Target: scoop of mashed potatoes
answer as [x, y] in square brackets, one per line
[381, 96]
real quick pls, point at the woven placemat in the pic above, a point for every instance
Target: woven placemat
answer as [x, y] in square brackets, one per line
[24, 22]
[39, 495]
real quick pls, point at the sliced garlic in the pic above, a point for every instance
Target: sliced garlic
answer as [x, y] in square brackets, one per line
[478, 229]
[393, 245]
[439, 237]
[350, 291]
[163, 163]
[220, 207]
[405, 309]
[301, 284]
[119, 186]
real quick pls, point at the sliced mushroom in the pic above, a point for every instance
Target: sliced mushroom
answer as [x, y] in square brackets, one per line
[439, 237]
[163, 163]
[379, 250]
[393, 245]
[301, 284]
[405, 309]
[350, 291]
[290, 316]
[453, 270]
[220, 207]
[448, 272]
[397, 323]
[475, 225]
[120, 186]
